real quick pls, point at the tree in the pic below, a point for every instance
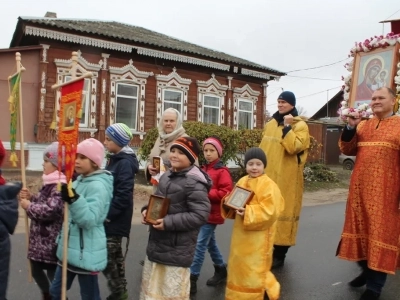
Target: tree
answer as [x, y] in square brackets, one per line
[301, 111]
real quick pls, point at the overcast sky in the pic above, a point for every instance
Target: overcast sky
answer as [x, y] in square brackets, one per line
[285, 35]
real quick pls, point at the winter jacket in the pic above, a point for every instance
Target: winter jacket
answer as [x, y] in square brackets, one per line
[189, 209]
[87, 246]
[286, 149]
[8, 221]
[221, 185]
[123, 165]
[46, 214]
[2, 156]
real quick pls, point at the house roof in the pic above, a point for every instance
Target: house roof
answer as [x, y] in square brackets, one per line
[134, 34]
[338, 96]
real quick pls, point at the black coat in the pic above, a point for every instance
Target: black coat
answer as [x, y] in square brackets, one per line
[189, 209]
[123, 165]
[8, 221]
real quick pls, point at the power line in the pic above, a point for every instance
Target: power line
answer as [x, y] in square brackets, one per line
[323, 66]
[318, 92]
[392, 15]
[316, 78]
[312, 94]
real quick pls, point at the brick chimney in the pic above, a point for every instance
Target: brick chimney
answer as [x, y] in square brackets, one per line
[50, 14]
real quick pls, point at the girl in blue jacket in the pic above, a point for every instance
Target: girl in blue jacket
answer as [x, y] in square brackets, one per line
[87, 246]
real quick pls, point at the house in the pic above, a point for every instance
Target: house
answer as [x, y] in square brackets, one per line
[137, 74]
[326, 128]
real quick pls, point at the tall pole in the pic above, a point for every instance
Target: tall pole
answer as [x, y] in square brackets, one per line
[327, 103]
[22, 151]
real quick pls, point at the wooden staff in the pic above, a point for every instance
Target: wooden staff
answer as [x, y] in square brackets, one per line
[66, 206]
[20, 69]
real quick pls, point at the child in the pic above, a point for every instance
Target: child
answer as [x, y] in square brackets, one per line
[221, 185]
[250, 259]
[88, 208]
[46, 213]
[172, 241]
[8, 222]
[123, 164]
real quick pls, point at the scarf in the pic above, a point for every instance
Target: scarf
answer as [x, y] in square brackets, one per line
[166, 138]
[279, 117]
[53, 178]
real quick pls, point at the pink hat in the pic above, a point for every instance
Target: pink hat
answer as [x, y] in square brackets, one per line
[92, 149]
[215, 142]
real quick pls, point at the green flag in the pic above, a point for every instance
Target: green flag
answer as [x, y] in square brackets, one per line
[14, 82]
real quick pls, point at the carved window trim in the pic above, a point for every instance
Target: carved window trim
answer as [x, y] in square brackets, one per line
[248, 94]
[211, 87]
[172, 81]
[129, 74]
[83, 66]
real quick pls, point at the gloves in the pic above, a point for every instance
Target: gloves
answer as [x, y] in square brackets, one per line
[65, 195]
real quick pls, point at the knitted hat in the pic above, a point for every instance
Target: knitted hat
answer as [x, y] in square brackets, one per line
[51, 154]
[255, 152]
[92, 149]
[289, 97]
[2, 152]
[119, 133]
[189, 146]
[215, 142]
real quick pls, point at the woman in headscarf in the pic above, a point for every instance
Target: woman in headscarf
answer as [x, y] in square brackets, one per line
[169, 129]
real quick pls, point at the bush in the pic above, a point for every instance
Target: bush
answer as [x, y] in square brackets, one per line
[199, 130]
[319, 172]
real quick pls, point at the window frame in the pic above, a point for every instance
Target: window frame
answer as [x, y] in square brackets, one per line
[214, 107]
[176, 91]
[250, 112]
[131, 97]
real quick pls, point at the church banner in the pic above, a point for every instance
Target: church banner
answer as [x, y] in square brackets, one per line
[68, 127]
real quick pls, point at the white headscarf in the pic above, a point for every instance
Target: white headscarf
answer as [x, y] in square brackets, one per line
[178, 130]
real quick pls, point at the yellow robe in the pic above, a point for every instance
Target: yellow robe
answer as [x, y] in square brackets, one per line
[250, 258]
[285, 163]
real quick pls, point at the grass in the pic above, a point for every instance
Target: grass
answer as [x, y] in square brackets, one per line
[343, 181]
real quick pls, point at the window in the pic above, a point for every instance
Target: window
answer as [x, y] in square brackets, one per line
[127, 104]
[84, 121]
[173, 99]
[211, 109]
[245, 114]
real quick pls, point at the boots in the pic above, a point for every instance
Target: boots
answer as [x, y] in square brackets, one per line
[193, 284]
[370, 295]
[361, 279]
[219, 277]
[279, 256]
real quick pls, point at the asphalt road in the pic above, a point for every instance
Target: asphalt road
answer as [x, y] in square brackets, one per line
[311, 271]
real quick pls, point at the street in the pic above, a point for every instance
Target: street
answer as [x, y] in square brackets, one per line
[311, 271]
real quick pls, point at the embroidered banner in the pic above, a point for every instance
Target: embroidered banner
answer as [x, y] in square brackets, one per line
[14, 84]
[68, 126]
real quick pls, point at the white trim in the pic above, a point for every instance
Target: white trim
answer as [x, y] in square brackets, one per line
[245, 93]
[83, 66]
[131, 97]
[219, 108]
[172, 81]
[77, 39]
[236, 117]
[91, 130]
[7, 146]
[211, 87]
[182, 58]
[129, 74]
[257, 74]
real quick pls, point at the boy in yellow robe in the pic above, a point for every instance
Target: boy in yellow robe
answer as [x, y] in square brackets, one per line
[250, 259]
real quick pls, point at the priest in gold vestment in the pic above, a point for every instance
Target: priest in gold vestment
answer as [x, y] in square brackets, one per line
[372, 222]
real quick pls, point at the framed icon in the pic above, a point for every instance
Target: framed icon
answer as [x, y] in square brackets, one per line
[156, 209]
[157, 163]
[239, 197]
